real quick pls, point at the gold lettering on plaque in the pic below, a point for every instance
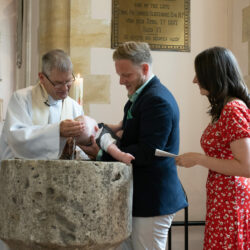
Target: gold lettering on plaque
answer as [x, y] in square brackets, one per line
[163, 24]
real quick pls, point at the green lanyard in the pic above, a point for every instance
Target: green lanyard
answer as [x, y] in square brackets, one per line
[132, 99]
[129, 113]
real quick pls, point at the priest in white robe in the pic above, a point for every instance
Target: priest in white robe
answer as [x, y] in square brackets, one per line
[39, 118]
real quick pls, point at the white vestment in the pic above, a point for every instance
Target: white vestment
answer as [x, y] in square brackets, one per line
[21, 138]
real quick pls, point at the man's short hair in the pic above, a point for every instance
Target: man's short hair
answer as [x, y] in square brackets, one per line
[137, 52]
[56, 59]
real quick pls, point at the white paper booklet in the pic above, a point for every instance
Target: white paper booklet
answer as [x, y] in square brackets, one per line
[162, 153]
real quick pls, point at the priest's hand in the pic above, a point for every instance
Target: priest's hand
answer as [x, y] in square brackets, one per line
[71, 128]
[91, 150]
[68, 149]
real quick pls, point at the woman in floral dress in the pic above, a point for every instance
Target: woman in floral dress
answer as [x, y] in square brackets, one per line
[226, 143]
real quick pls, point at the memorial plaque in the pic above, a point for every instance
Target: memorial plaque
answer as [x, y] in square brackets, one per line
[163, 24]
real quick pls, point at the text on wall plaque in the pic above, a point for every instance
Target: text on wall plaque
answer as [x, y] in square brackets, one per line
[163, 24]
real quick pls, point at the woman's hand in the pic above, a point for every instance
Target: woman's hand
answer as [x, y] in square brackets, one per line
[188, 160]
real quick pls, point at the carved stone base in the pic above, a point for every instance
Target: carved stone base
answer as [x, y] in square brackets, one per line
[66, 205]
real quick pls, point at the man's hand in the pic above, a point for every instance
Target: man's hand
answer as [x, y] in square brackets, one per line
[91, 150]
[119, 133]
[71, 128]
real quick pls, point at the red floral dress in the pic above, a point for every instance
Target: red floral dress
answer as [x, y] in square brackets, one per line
[228, 197]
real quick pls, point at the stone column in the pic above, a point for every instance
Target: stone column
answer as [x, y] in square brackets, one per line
[54, 25]
[246, 38]
[66, 205]
[68, 25]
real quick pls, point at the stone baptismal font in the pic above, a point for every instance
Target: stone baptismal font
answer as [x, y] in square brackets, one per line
[65, 205]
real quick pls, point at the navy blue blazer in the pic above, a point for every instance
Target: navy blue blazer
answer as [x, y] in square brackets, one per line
[154, 124]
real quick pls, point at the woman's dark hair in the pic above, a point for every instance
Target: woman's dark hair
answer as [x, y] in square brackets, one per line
[218, 72]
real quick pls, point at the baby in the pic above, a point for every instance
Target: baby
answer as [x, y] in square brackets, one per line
[105, 139]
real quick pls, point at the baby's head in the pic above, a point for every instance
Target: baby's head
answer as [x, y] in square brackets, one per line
[91, 127]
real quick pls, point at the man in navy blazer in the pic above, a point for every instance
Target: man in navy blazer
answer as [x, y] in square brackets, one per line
[150, 122]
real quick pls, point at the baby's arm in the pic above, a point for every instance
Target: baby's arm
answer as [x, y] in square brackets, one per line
[107, 143]
[117, 154]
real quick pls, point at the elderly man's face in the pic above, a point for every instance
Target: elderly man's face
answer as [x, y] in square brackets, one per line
[57, 84]
[131, 76]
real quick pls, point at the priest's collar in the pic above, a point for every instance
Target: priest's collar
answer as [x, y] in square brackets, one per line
[50, 101]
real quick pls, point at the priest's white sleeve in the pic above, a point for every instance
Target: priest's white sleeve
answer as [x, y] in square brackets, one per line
[22, 139]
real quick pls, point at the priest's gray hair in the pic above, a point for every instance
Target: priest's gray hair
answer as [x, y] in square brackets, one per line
[56, 59]
[136, 52]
